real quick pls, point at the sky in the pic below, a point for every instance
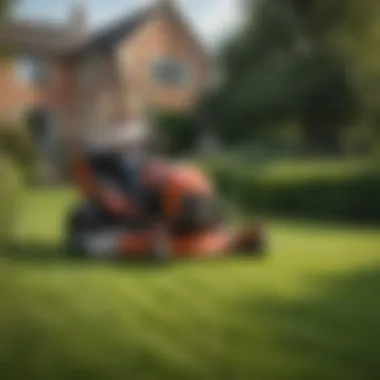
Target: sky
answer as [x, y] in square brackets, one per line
[211, 20]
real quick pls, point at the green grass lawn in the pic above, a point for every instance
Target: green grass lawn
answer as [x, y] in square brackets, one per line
[311, 311]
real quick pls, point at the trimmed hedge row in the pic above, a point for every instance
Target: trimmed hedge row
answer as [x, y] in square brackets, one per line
[10, 194]
[354, 198]
[17, 157]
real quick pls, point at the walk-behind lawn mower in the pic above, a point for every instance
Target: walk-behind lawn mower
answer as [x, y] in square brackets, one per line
[179, 196]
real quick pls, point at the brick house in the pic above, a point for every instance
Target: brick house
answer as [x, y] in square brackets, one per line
[62, 77]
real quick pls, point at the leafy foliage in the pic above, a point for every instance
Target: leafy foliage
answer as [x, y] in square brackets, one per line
[17, 158]
[349, 195]
[179, 132]
[17, 143]
[299, 60]
[9, 199]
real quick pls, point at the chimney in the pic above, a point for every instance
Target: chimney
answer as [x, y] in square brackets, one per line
[78, 18]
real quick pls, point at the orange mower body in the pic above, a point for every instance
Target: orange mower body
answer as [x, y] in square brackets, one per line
[180, 196]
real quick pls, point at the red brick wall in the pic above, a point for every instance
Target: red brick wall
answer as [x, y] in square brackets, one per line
[14, 95]
[17, 97]
[66, 97]
[93, 102]
[162, 37]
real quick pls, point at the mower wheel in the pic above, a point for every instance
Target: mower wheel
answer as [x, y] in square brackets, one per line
[255, 244]
[80, 219]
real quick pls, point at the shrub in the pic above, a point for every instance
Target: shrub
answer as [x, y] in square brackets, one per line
[179, 132]
[350, 198]
[9, 199]
[18, 144]
[17, 156]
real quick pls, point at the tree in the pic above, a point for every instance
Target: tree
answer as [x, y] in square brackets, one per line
[285, 65]
[359, 38]
[5, 6]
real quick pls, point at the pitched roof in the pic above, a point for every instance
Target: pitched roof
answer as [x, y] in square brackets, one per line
[55, 39]
[36, 37]
[111, 35]
[61, 40]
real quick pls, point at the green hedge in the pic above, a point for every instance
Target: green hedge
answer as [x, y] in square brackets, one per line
[17, 157]
[178, 132]
[10, 198]
[17, 143]
[351, 198]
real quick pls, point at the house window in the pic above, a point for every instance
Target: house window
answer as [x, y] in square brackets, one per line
[170, 72]
[32, 71]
